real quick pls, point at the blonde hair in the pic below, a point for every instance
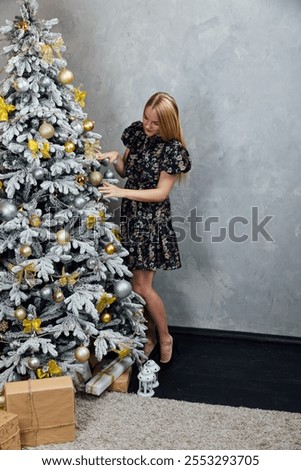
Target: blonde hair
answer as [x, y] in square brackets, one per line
[168, 119]
[168, 116]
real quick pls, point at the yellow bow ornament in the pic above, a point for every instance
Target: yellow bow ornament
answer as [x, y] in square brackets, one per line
[32, 325]
[5, 109]
[104, 301]
[66, 279]
[49, 371]
[80, 96]
[48, 49]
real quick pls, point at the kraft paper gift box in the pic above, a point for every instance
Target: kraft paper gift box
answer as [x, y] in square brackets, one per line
[122, 383]
[107, 375]
[9, 431]
[45, 409]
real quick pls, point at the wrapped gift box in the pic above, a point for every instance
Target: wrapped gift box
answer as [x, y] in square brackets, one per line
[9, 431]
[122, 383]
[106, 375]
[45, 409]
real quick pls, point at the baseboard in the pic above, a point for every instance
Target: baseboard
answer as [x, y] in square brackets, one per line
[238, 335]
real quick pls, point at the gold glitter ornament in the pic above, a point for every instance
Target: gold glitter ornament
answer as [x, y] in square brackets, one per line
[35, 221]
[110, 248]
[5, 109]
[25, 250]
[66, 76]
[69, 147]
[81, 179]
[23, 25]
[82, 354]
[105, 317]
[88, 125]
[63, 237]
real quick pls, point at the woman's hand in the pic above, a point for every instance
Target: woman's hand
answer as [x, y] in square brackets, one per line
[110, 190]
[111, 156]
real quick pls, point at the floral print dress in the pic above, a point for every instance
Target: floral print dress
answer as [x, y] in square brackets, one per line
[146, 227]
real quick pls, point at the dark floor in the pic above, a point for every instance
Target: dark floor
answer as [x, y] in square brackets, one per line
[235, 371]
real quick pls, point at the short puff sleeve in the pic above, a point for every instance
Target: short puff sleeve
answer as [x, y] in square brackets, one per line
[131, 133]
[176, 158]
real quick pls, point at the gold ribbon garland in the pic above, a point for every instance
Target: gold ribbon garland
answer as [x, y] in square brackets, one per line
[32, 325]
[47, 50]
[5, 109]
[66, 279]
[49, 371]
[104, 301]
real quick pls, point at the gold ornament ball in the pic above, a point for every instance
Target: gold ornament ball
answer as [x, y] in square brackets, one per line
[46, 130]
[35, 221]
[88, 125]
[25, 251]
[69, 147]
[82, 354]
[95, 178]
[110, 248]
[63, 237]
[20, 313]
[66, 76]
[106, 317]
[58, 296]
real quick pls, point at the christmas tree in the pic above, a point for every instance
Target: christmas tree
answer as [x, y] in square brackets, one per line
[63, 282]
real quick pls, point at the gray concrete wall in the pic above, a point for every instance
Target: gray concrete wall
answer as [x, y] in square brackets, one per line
[234, 66]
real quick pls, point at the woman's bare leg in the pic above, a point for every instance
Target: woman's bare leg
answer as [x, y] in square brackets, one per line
[142, 283]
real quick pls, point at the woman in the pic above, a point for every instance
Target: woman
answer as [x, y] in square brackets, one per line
[154, 158]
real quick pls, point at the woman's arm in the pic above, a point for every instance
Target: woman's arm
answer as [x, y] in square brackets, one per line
[116, 159]
[158, 194]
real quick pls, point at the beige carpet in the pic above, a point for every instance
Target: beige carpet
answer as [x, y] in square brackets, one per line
[126, 421]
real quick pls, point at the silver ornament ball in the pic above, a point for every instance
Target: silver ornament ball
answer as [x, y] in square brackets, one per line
[21, 84]
[45, 81]
[8, 211]
[91, 263]
[77, 127]
[109, 174]
[122, 289]
[33, 363]
[46, 293]
[14, 377]
[79, 202]
[38, 173]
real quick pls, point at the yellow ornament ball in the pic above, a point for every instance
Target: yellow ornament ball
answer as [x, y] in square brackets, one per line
[69, 147]
[25, 250]
[88, 125]
[63, 237]
[82, 354]
[58, 296]
[20, 313]
[106, 317]
[66, 76]
[46, 130]
[110, 248]
[35, 221]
